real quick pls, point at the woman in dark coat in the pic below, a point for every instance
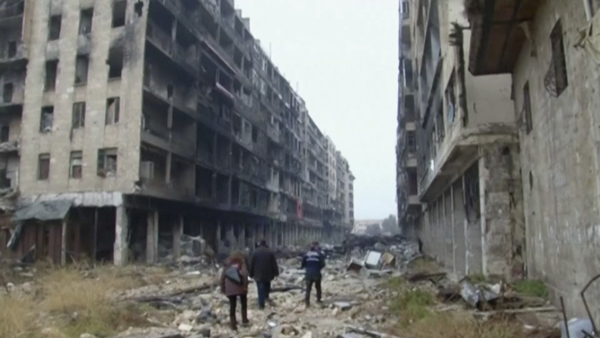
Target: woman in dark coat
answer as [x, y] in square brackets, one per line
[234, 284]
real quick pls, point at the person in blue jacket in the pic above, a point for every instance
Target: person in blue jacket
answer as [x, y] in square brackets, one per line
[313, 262]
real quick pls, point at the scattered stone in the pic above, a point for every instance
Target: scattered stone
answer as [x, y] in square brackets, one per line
[344, 306]
[185, 327]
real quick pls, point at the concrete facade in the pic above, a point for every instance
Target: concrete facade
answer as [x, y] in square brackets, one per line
[157, 118]
[469, 198]
[558, 134]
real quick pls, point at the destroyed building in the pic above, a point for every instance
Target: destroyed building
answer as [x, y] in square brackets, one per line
[506, 138]
[153, 118]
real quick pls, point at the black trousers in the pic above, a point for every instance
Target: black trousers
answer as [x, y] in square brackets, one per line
[309, 284]
[233, 305]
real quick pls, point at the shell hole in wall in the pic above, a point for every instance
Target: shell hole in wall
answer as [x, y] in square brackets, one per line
[506, 151]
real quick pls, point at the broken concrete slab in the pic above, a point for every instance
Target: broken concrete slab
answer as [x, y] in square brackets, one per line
[344, 306]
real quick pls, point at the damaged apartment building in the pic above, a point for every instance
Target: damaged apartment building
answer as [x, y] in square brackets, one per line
[507, 138]
[125, 124]
[459, 167]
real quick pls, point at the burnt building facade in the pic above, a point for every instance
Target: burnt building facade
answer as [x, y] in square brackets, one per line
[409, 205]
[154, 118]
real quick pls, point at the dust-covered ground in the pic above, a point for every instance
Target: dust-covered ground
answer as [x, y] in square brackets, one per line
[407, 297]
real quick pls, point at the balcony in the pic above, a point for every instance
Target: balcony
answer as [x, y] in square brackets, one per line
[160, 38]
[183, 57]
[14, 56]
[273, 132]
[496, 38]
[162, 189]
[460, 148]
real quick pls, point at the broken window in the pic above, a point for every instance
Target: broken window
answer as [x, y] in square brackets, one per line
[47, 119]
[559, 63]
[81, 69]
[44, 166]
[76, 164]
[527, 109]
[51, 70]
[115, 63]
[78, 115]
[112, 110]
[7, 93]
[107, 162]
[4, 133]
[118, 14]
[54, 29]
[85, 21]
[12, 49]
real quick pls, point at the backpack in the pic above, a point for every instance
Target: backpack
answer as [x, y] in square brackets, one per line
[233, 274]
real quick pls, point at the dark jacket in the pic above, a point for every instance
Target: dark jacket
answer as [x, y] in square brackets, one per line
[231, 288]
[263, 265]
[313, 261]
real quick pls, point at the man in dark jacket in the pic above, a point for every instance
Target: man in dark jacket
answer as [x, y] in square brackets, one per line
[313, 261]
[263, 269]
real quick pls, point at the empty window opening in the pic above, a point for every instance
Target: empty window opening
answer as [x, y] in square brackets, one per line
[81, 70]
[51, 71]
[12, 49]
[107, 162]
[527, 108]
[78, 115]
[411, 142]
[118, 14]
[138, 7]
[115, 63]
[54, 29]
[556, 80]
[4, 133]
[85, 21]
[169, 91]
[113, 110]
[405, 9]
[76, 164]
[43, 167]
[7, 92]
[255, 135]
[47, 119]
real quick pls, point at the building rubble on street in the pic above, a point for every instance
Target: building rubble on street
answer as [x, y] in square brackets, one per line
[361, 281]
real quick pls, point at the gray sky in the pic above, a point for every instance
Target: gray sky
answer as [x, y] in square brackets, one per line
[344, 56]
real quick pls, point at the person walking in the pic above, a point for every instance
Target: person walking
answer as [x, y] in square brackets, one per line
[313, 262]
[263, 269]
[234, 284]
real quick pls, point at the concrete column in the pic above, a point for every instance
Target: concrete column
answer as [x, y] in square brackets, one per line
[177, 232]
[63, 242]
[218, 244]
[152, 237]
[168, 169]
[460, 245]
[120, 247]
[242, 239]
